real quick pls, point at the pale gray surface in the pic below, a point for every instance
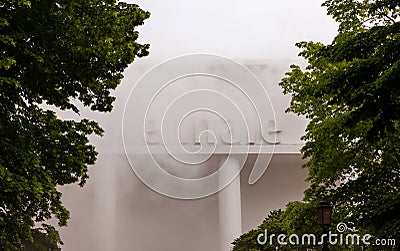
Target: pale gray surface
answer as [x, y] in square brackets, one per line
[115, 211]
[147, 221]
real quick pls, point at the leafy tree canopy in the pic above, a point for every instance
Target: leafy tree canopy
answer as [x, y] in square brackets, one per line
[350, 91]
[298, 218]
[59, 53]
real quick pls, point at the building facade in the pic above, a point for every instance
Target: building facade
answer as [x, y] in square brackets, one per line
[116, 210]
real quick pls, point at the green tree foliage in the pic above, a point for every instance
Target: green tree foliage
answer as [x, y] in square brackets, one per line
[298, 218]
[59, 53]
[350, 91]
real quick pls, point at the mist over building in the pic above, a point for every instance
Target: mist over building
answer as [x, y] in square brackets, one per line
[116, 210]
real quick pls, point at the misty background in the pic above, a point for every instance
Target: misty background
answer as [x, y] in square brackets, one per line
[253, 29]
[115, 211]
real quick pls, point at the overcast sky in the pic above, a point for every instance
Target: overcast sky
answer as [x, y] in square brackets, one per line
[240, 29]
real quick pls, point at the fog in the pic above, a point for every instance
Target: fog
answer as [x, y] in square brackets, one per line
[115, 210]
[255, 29]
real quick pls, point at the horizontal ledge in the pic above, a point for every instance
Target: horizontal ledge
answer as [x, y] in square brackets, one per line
[219, 149]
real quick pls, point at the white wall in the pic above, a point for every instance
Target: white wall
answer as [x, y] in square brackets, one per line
[116, 211]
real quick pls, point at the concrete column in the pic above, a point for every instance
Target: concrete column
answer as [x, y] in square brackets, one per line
[229, 200]
[105, 203]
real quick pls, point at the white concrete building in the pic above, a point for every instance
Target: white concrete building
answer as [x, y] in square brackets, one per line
[117, 211]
